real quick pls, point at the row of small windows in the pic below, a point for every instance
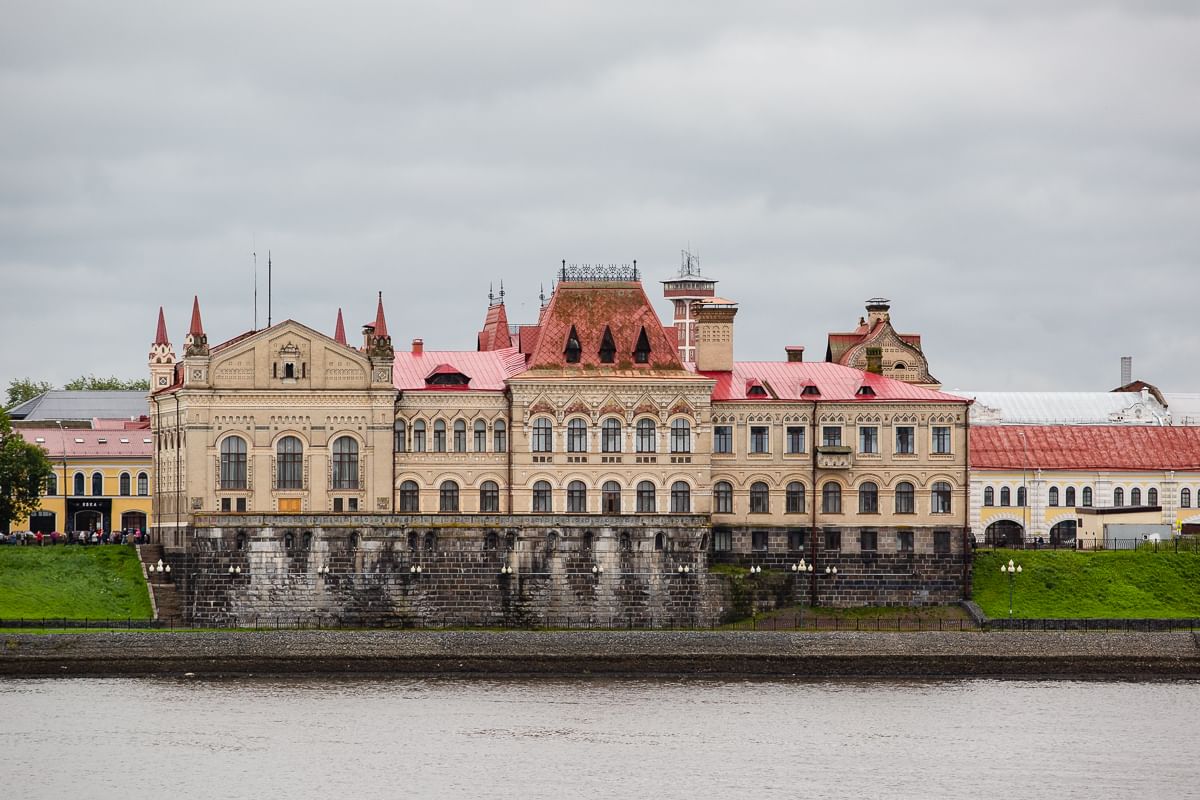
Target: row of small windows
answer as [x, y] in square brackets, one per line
[124, 485]
[646, 497]
[421, 441]
[831, 436]
[831, 498]
[830, 539]
[1067, 497]
[645, 436]
[289, 463]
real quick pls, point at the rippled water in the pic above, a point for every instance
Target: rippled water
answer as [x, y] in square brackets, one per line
[566, 739]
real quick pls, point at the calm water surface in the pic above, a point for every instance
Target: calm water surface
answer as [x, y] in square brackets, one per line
[566, 739]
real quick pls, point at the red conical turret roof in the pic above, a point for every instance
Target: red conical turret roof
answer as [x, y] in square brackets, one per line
[339, 330]
[160, 336]
[380, 322]
[197, 328]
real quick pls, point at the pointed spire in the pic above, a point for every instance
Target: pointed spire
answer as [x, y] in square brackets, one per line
[491, 296]
[160, 337]
[501, 292]
[380, 323]
[339, 330]
[196, 329]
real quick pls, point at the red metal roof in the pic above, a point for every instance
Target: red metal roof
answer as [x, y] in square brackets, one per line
[494, 335]
[488, 370]
[339, 329]
[380, 321]
[196, 329]
[83, 443]
[1115, 447]
[160, 336]
[786, 379]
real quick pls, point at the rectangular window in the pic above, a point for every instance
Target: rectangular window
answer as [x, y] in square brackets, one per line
[758, 541]
[833, 539]
[481, 440]
[795, 439]
[905, 439]
[240, 505]
[760, 439]
[868, 439]
[941, 439]
[868, 541]
[904, 541]
[941, 541]
[337, 505]
[226, 504]
[797, 540]
[831, 436]
[722, 438]
[722, 540]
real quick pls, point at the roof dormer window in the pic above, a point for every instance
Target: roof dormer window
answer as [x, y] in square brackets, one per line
[446, 375]
[865, 391]
[754, 388]
[810, 390]
[641, 353]
[608, 348]
[573, 349]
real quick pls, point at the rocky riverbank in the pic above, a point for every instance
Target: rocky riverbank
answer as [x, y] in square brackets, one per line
[609, 653]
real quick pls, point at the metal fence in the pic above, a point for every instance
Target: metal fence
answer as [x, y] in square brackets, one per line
[1176, 544]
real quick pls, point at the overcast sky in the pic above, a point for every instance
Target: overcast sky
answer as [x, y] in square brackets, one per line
[1021, 180]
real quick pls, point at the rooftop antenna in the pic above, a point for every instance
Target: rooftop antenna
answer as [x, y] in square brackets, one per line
[254, 253]
[268, 288]
[689, 263]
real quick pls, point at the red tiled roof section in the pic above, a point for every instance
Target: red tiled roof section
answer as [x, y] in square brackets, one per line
[488, 370]
[1116, 447]
[56, 441]
[787, 380]
[591, 306]
[494, 335]
[160, 336]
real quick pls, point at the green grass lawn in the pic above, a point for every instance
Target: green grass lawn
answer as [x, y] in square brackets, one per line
[1070, 584]
[100, 582]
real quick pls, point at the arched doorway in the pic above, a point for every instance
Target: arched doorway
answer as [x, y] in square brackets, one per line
[87, 521]
[1004, 533]
[1063, 534]
[132, 521]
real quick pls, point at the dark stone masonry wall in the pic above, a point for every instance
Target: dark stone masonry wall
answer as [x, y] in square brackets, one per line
[361, 569]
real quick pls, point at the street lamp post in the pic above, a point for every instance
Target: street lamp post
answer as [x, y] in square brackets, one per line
[1011, 570]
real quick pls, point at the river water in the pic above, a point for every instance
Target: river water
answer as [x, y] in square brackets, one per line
[404, 738]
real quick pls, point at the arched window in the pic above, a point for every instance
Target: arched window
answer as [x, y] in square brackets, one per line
[345, 463]
[97, 484]
[723, 497]
[1020, 496]
[868, 498]
[831, 498]
[233, 463]
[448, 496]
[940, 498]
[1069, 500]
[79, 482]
[646, 436]
[1152, 497]
[1185, 498]
[543, 436]
[681, 436]
[645, 497]
[52, 486]
[410, 498]
[1118, 496]
[906, 500]
[1053, 496]
[499, 436]
[576, 497]
[419, 436]
[610, 497]
[124, 484]
[439, 436]
[1135, 497]
[491, 541]
[681, 498]
[1005, 496]
[480, 436]
[143, 484]
[401, 437]
[289, 464]
[576, 436]
[658, 541]
[760, 498]
[989, 496]
[1087, 497]
[610, 436]
[460, 436]
[489, 497]
[794, 503]
[543, 502]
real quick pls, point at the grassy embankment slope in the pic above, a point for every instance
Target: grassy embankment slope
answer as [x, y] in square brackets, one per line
[1068, 584]
[101, 582]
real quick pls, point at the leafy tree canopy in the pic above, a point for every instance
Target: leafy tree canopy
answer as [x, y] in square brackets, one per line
[91, 382]
[24, 470]
[22, 389]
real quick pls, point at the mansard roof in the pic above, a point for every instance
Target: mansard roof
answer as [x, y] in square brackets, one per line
[785, 380]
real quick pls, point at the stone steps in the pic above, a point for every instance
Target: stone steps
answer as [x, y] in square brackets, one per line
[167, 605]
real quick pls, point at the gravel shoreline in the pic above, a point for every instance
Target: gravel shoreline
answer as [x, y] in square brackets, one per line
[726, 654]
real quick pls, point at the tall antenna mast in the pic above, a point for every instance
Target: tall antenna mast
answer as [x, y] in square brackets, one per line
[254, 253]
[268, 288]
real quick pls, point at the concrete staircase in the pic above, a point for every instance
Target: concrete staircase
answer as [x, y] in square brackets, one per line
[163, 594]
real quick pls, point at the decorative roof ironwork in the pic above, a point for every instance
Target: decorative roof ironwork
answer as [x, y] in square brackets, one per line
[598, 272]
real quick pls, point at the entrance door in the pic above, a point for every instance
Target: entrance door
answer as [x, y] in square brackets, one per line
[42, 521]
[133, 521]
[87, 521]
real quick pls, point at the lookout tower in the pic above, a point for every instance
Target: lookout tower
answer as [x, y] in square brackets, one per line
[684, 291]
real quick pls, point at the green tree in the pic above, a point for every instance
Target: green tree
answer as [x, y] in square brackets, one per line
[24, 470]
[22, 389]
[91, 382]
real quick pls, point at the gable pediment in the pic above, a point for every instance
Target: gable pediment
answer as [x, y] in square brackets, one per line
[288, 355]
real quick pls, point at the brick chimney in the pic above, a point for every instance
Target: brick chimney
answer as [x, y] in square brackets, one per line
[418, 346]
[714, 336]
[795, 352]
